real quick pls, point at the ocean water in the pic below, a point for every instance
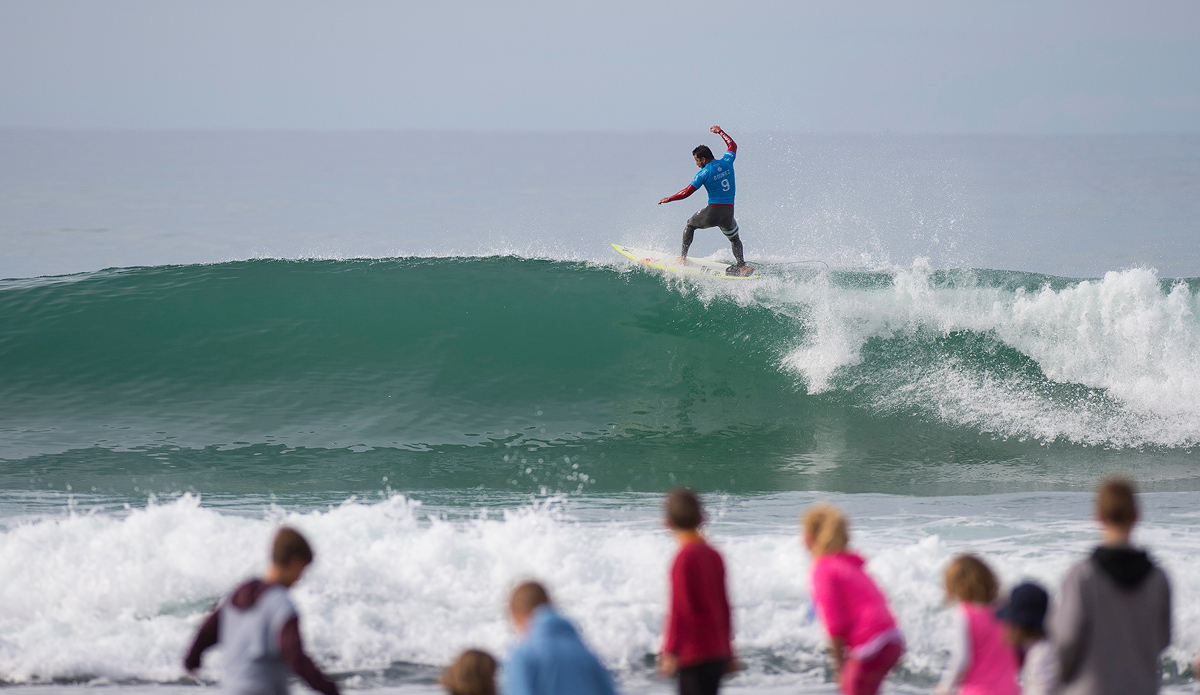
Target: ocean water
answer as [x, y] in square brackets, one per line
[420, 349]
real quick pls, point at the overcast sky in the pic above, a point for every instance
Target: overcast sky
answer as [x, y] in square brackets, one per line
[1076, 66]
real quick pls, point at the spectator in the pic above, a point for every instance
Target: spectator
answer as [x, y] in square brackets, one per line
[259, 630]
[981, 660]
[472, 673]
[1024, 618]
[697, 646]
[551, 658]
[1113, 616]
[864, 641]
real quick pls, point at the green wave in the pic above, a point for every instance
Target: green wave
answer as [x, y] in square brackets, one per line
[497, 371]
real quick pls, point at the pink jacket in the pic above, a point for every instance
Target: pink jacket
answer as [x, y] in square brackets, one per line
[849, 602]
[993, 669]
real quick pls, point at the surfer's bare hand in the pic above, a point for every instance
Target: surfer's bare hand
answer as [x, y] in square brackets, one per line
[715, 129]
[664, 200]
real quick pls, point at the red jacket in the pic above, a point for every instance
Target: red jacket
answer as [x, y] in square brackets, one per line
[699, 627]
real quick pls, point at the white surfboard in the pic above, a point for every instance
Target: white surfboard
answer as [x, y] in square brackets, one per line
[694, 266]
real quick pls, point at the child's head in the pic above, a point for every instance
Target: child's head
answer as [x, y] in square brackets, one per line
[684, 512]
[1116, 504]
[525, 599]
[1025, 613]
[825, 530]
[472, 673]
[969, 580]
[290, 555]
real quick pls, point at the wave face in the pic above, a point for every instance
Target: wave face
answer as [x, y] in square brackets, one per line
[514, 373]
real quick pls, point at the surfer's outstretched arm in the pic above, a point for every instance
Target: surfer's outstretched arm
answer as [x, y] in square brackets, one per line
[688, 190]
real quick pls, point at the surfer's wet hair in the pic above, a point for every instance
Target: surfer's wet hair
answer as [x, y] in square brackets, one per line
[703, 153]
[683, 509]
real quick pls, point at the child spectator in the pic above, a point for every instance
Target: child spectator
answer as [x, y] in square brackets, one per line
[472, 673]
[1113, 616]
[981, 660]
[697, 646]
[864, 641]
[551, 658]
[1024, 616]
[259, 630]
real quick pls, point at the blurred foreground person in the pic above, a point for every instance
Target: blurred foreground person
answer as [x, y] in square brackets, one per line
[1024, 618]
[551, 658]
[472, 673]
[697, 646]
[864, 641]
[259, 630]
[981, 660]
[1113, 616]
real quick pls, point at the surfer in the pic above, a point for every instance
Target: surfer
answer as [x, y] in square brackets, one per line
[716, 175]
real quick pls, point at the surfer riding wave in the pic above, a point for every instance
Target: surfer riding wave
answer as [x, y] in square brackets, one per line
[716, 175]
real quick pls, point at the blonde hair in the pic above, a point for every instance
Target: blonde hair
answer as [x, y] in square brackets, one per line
[970, 580]
[825, 525]
[472, 673]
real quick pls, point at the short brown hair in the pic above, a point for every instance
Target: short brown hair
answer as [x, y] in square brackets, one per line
[684, 510]
[1116, 502]
[826, 526]
[970, 580]
[472, 673]
[290, 545]
[526, 597]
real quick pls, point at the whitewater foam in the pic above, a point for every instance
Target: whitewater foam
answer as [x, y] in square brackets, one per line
[1132, 342]
[117, 595]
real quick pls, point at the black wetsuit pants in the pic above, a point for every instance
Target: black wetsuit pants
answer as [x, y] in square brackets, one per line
[715, 216]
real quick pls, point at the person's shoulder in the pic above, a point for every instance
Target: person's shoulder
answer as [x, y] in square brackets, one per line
[1081, 570]
[729, 156]
[277, 598]
[702, 549]
[838, 563]
[713, 554]
[1041, 666]
[1159, 576]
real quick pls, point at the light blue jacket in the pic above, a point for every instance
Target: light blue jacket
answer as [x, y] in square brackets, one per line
[553, 660]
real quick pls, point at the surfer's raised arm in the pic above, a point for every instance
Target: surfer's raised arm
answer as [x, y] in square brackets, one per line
[729, 143]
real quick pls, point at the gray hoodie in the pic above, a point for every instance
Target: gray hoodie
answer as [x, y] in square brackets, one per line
[1111, 622]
